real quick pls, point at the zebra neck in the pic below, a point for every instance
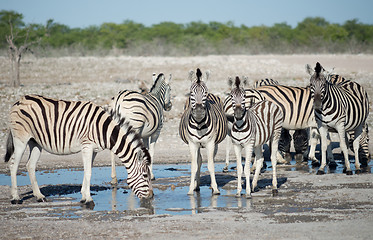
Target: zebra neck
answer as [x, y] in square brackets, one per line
[159, 92]
[125, 143]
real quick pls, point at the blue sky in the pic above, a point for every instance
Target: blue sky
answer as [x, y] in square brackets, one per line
[83, 13]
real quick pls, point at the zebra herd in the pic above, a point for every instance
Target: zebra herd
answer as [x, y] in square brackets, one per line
[131, 125]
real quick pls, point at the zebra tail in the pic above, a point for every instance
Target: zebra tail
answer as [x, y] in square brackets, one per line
[9, 147]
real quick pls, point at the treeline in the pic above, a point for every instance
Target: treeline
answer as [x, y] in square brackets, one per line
[312, 35]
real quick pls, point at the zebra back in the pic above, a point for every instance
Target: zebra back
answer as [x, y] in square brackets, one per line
[265, 82]
[295, 102]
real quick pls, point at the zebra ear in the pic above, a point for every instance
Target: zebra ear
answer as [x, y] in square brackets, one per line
[230, 82]
[245, 81]
[309, 69]
[191, 75]
[207, 74]
[169, 80]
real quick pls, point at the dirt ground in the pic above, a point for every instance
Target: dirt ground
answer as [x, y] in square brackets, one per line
[332, 206]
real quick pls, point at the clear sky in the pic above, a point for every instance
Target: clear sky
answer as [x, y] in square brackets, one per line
[83, 13]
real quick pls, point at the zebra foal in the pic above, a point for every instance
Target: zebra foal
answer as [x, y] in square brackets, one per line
[145, 113]
[67, 127]
[253, 127]
[342, 107]
[202, 125]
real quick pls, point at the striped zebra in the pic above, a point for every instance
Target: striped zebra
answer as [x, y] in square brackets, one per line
[252, 97]
[145, 113]
[342, 107]
[202, 125]
[67, 127]
[364, 155]
[253, 127]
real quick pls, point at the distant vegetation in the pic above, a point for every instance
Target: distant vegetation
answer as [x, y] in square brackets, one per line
[312, 35]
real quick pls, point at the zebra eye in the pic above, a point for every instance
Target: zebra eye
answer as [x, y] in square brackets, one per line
[145, 175]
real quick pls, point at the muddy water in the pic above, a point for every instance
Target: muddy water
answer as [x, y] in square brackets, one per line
[62, 189]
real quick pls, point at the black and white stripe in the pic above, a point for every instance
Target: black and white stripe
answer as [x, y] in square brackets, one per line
[66, 127]
[144, 112]
[202, 125]
[265, 82]
[342, 107]
[253, 127]
[252, 96]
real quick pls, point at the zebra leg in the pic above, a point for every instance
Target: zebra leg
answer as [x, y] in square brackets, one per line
[87, 154]
[237, 150]
[274, 165]
[284, 145]
[114, 180]
[314, 137]
[193, 166]
[153, 141]
[342, 142]
[259, 163]
[323, 134]
[35, 151]
[329, 153]
[356, 145]
[248, 153]
[227, 150]
[19, 149]
[198, 174]
[211, 149]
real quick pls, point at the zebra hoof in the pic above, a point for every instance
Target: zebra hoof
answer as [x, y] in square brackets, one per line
[238, 195]
[197, 189]
[248, 196]
[274, 192]
[16, 201]
[315, 163]
[89, 205]
[320, 172]
[332, 165]
[349, 172]
[225, 169]
[215, 192]
[256, 189]
[358, 171]
[42, 199]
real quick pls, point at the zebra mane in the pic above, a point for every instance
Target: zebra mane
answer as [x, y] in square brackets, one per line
[157, 82]
[199, 75]
[237, 82]
[318, 69]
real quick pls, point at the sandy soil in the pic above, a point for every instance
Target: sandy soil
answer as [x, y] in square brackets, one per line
[333, 206]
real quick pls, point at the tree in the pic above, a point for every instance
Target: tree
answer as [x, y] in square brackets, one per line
[15, 52]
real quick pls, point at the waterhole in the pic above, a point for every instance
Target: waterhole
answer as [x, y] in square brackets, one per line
[62, 187]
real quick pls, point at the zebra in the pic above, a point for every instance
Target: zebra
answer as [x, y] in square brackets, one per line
[342, 107]
[145, 113]
[364, 155]
[253, 127]
[66, 127]
[203, 125]
[253, 96]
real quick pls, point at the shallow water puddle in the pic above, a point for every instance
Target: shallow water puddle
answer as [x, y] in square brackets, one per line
[62, 189]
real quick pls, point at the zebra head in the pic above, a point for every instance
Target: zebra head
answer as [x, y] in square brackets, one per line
[139, 177]
[317, 85]
[238, 98]
[162, 90]
[198, 96]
